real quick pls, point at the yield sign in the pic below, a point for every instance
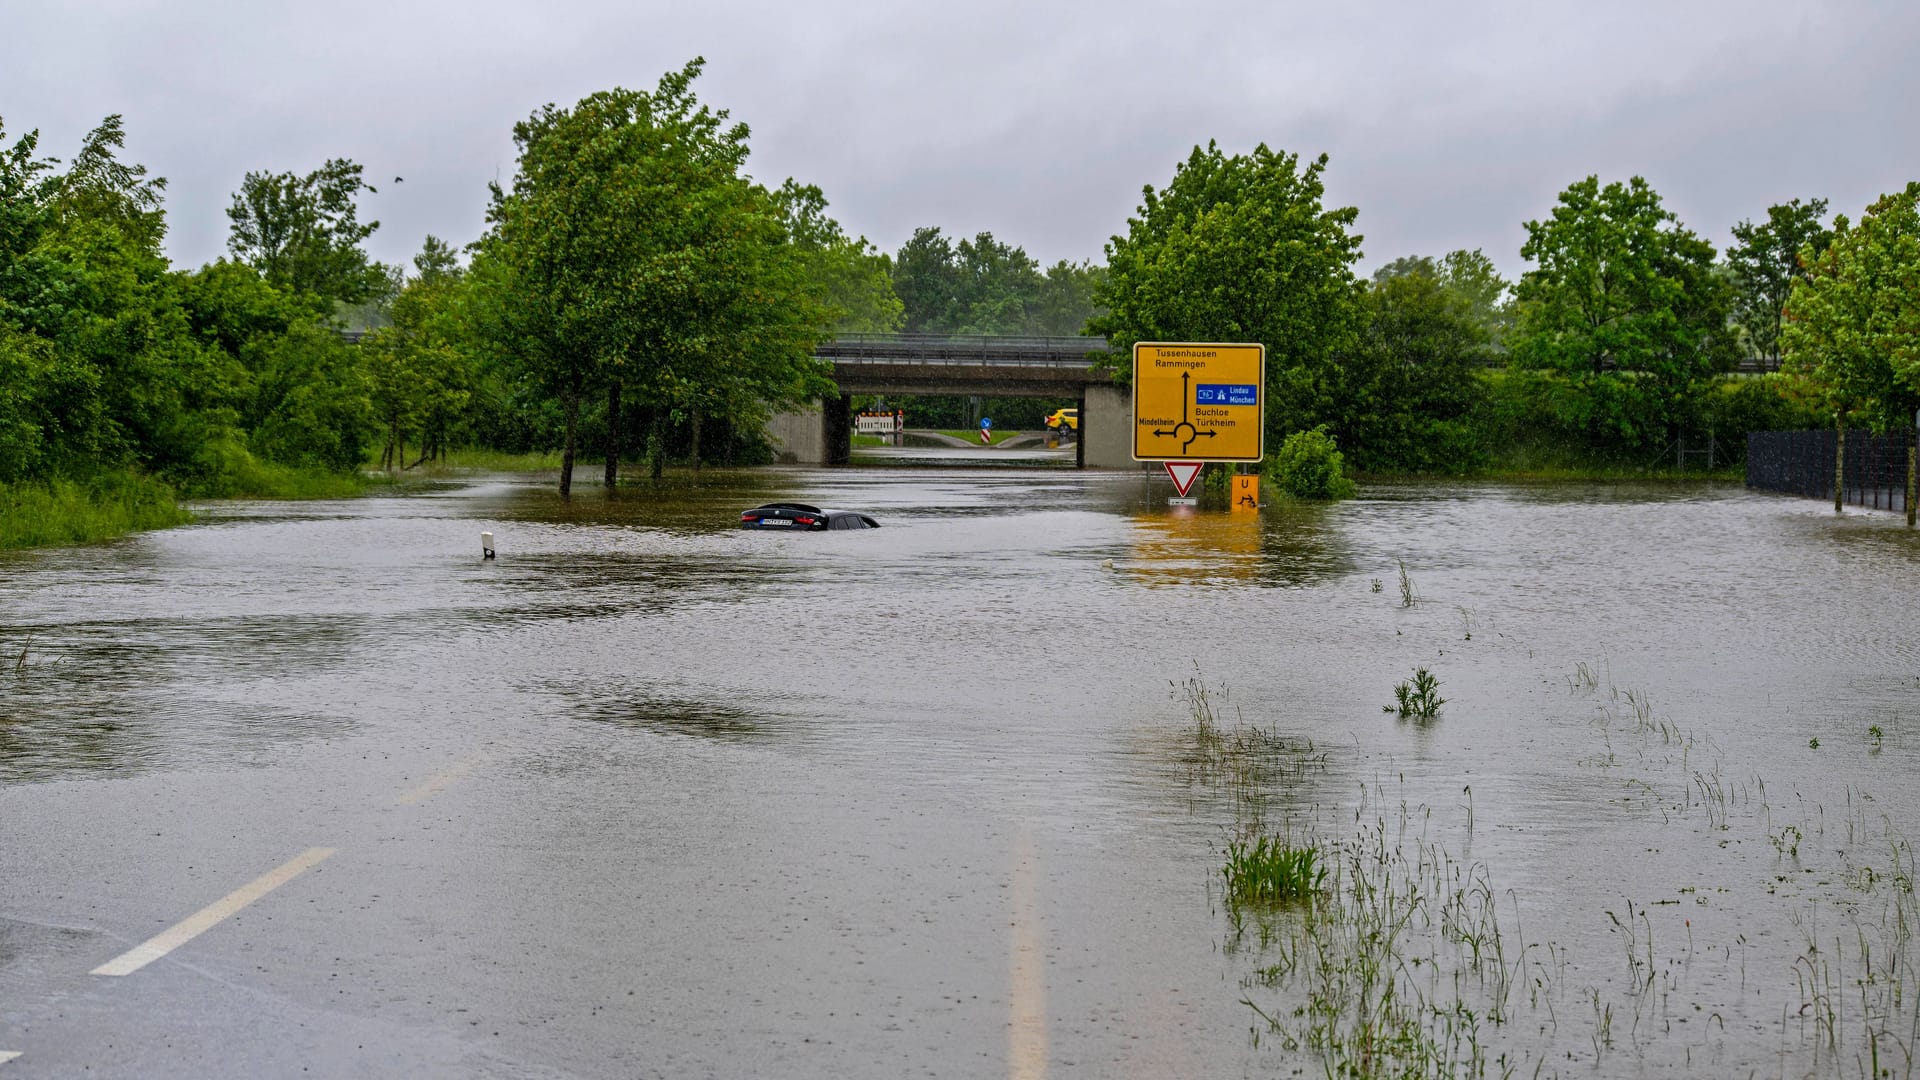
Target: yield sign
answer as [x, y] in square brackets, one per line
[1183, 473]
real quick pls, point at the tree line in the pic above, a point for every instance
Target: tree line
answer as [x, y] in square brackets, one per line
[1616, 346]
[636, 293]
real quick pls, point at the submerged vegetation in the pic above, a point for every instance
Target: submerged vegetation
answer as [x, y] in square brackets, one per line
[1375, 944]
[1418, 698]
[1265, 870]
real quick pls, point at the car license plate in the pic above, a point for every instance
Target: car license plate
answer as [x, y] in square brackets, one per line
[785, 522]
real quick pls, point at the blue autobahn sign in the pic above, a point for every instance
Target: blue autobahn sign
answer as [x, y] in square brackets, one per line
[1226, 394]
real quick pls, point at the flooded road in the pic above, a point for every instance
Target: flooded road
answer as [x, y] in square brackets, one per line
[650, 796]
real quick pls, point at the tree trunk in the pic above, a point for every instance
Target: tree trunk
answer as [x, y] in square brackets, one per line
[613, 434]
[1839, 463]
[696, 439]
[571, 402]
[657, 443]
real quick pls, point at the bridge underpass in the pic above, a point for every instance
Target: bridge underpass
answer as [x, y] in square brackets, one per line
[987, 366]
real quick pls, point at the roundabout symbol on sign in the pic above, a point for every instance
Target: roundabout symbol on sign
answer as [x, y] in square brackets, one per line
[1184, 425]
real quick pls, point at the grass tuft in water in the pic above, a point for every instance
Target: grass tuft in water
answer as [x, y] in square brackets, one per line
[1398, 963]
[1264, 870]
[1242, 761]
[1418, 698]
[1409, 595]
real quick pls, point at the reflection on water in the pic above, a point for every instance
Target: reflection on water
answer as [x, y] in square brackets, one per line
[702, 718]
[1287, 545]
[997, 657]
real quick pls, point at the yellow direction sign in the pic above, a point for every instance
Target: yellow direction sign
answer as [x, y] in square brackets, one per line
[1197, 402]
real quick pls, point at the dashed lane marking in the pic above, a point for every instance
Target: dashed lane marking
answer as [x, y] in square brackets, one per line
[210, 916]
[1026, 970]
[434, 785]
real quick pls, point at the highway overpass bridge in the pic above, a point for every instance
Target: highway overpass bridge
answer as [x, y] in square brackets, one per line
[984, 365]
[973, 364]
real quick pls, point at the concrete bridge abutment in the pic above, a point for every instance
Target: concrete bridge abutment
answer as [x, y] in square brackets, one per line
[913, 364]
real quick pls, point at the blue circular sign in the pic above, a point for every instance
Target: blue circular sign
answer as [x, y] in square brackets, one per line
[986, 422]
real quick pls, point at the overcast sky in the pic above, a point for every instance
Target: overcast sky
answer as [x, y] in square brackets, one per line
[1448, 124]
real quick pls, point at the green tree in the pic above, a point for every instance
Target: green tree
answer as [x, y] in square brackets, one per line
[1065, 300]
[437, 262]
[304, 232]
[1469, 275]
[756, 351]
[849, 276]
[1765, 260]
[1853, 324]
[626, 248]
[985, 286]
[1472, 276]
[49, 408]
[113, 362]
[92, 281]
[419, 376]
[926, 278]
[998, 284]
[1413, 377]
[1625, 302]
[51, 411]
[313, 399]
[1240, 248]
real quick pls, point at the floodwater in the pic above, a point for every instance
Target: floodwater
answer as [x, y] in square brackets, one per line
[648, 795]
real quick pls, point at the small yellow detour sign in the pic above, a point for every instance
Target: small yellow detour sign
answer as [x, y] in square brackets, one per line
[1246, 493]
[1198, 402]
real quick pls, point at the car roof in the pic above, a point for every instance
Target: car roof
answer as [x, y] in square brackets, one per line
[789, 509]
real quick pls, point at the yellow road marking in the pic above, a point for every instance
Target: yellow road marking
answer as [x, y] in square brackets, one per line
[434, 785]
[1027, 970]
[210, 916]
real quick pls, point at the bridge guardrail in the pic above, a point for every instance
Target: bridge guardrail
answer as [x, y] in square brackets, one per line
[962, 349]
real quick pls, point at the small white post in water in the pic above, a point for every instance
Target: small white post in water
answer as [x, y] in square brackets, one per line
[486, 545]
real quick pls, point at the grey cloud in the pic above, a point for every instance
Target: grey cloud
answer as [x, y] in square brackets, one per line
[1448, 125]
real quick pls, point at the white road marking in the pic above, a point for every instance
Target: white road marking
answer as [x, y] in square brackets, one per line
[8, 1055]
[208, 917]
[434, 785]
[1027, 971]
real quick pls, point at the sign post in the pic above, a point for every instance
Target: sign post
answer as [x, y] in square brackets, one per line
[1196, 402]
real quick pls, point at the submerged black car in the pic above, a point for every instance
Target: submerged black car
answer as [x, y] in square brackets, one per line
[790, 516]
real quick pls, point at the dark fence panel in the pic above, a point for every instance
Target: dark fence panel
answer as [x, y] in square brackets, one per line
[1801, 463]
